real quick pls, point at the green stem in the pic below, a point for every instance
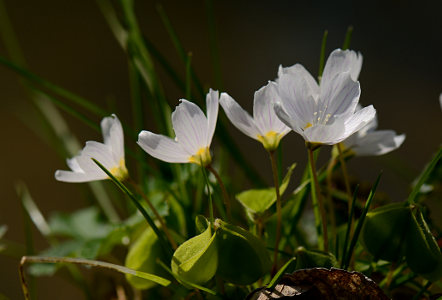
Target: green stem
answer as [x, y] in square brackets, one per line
[86, 262]
[278, 211]
[149, 220]
[212, 220]
[155, 212]
[223, 190]
[318, 204]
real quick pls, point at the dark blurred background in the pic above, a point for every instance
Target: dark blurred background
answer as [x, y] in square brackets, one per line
[69, 43]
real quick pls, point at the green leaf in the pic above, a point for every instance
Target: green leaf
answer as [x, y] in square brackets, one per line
[306, 259]
[422, 251]
[243, 258]
[383, 234]
[142, 256]
[83, 224]
[412, 198]
[201, 223]
[284, 269]
[196, 260]
[257, 201]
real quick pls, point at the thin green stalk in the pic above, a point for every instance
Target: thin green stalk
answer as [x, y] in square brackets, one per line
[138, 205]
[155, 212]
[85, 262]
[347, 39]
[281, 272]
[360, 223]
[211, 217]
[188, 91]
[422, 291]
[318, 205]
[345, 175]
[349, 232]
[223, 190]
[322, 55]
[329, 199]
[278, 211]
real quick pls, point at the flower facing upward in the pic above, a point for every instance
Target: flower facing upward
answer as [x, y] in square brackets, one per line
[194, 132]
[265, 125]
[110, 154]
[325, 113]
[369, 141]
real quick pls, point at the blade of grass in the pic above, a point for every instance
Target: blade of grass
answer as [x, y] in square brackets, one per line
[138, 205]
[178, 277]
[350, 220]
[423, 177]
[86, 262]
[281, 271]
[322, 54]
[347, 39]
[360, 223]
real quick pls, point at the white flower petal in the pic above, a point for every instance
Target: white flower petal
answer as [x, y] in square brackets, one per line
[378, 143]
[212, 114]
[68, 176]
[190, 126]
[113, 135]
[299, 70]
[288, 120]
[263, 112]
[339, 97]
[101, 153]
[238, 116]
[325, 134]
[341, 61]
[73, 164]
[162, 147]
[297, 95]
[358, 120]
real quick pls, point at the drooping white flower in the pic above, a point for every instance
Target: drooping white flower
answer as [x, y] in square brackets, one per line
[194, 132]
[265, 125]
[110, 154]
[369, 141]
[325, 113]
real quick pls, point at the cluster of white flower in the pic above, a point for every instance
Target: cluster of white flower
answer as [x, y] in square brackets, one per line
[324, 113]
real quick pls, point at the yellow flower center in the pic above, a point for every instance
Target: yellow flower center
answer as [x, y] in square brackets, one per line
[307, 126]
[270, 140]
[202, 157]
[120, 172]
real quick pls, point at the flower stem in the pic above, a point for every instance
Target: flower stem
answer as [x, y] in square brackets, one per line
[317, 200]
[155, 212]
[211, 218]
[223, 190]
[278, 210]
[349, 193]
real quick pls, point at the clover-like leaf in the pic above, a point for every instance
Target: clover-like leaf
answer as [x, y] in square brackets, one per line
[257, 201]
[196, 260]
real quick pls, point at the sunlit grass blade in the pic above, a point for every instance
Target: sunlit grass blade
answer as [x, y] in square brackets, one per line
[347, 39]
[322, 54]
[33, 78]
[138, 205]
[85, 262]
[412, 198]
[361, 220]
[350, 220]
[32, 210]
[193, 285]
[281, 271]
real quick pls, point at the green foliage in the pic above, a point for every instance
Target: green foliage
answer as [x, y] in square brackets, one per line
[257, 201]
[196, 260]
[314, 259]
[243, 258]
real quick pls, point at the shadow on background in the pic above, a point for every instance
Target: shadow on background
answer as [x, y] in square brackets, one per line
[69, 43]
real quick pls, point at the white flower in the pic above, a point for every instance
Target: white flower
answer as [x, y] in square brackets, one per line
[325, 113]
[369, 141]
[265, 125]
[194, 133]
[110, 154]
